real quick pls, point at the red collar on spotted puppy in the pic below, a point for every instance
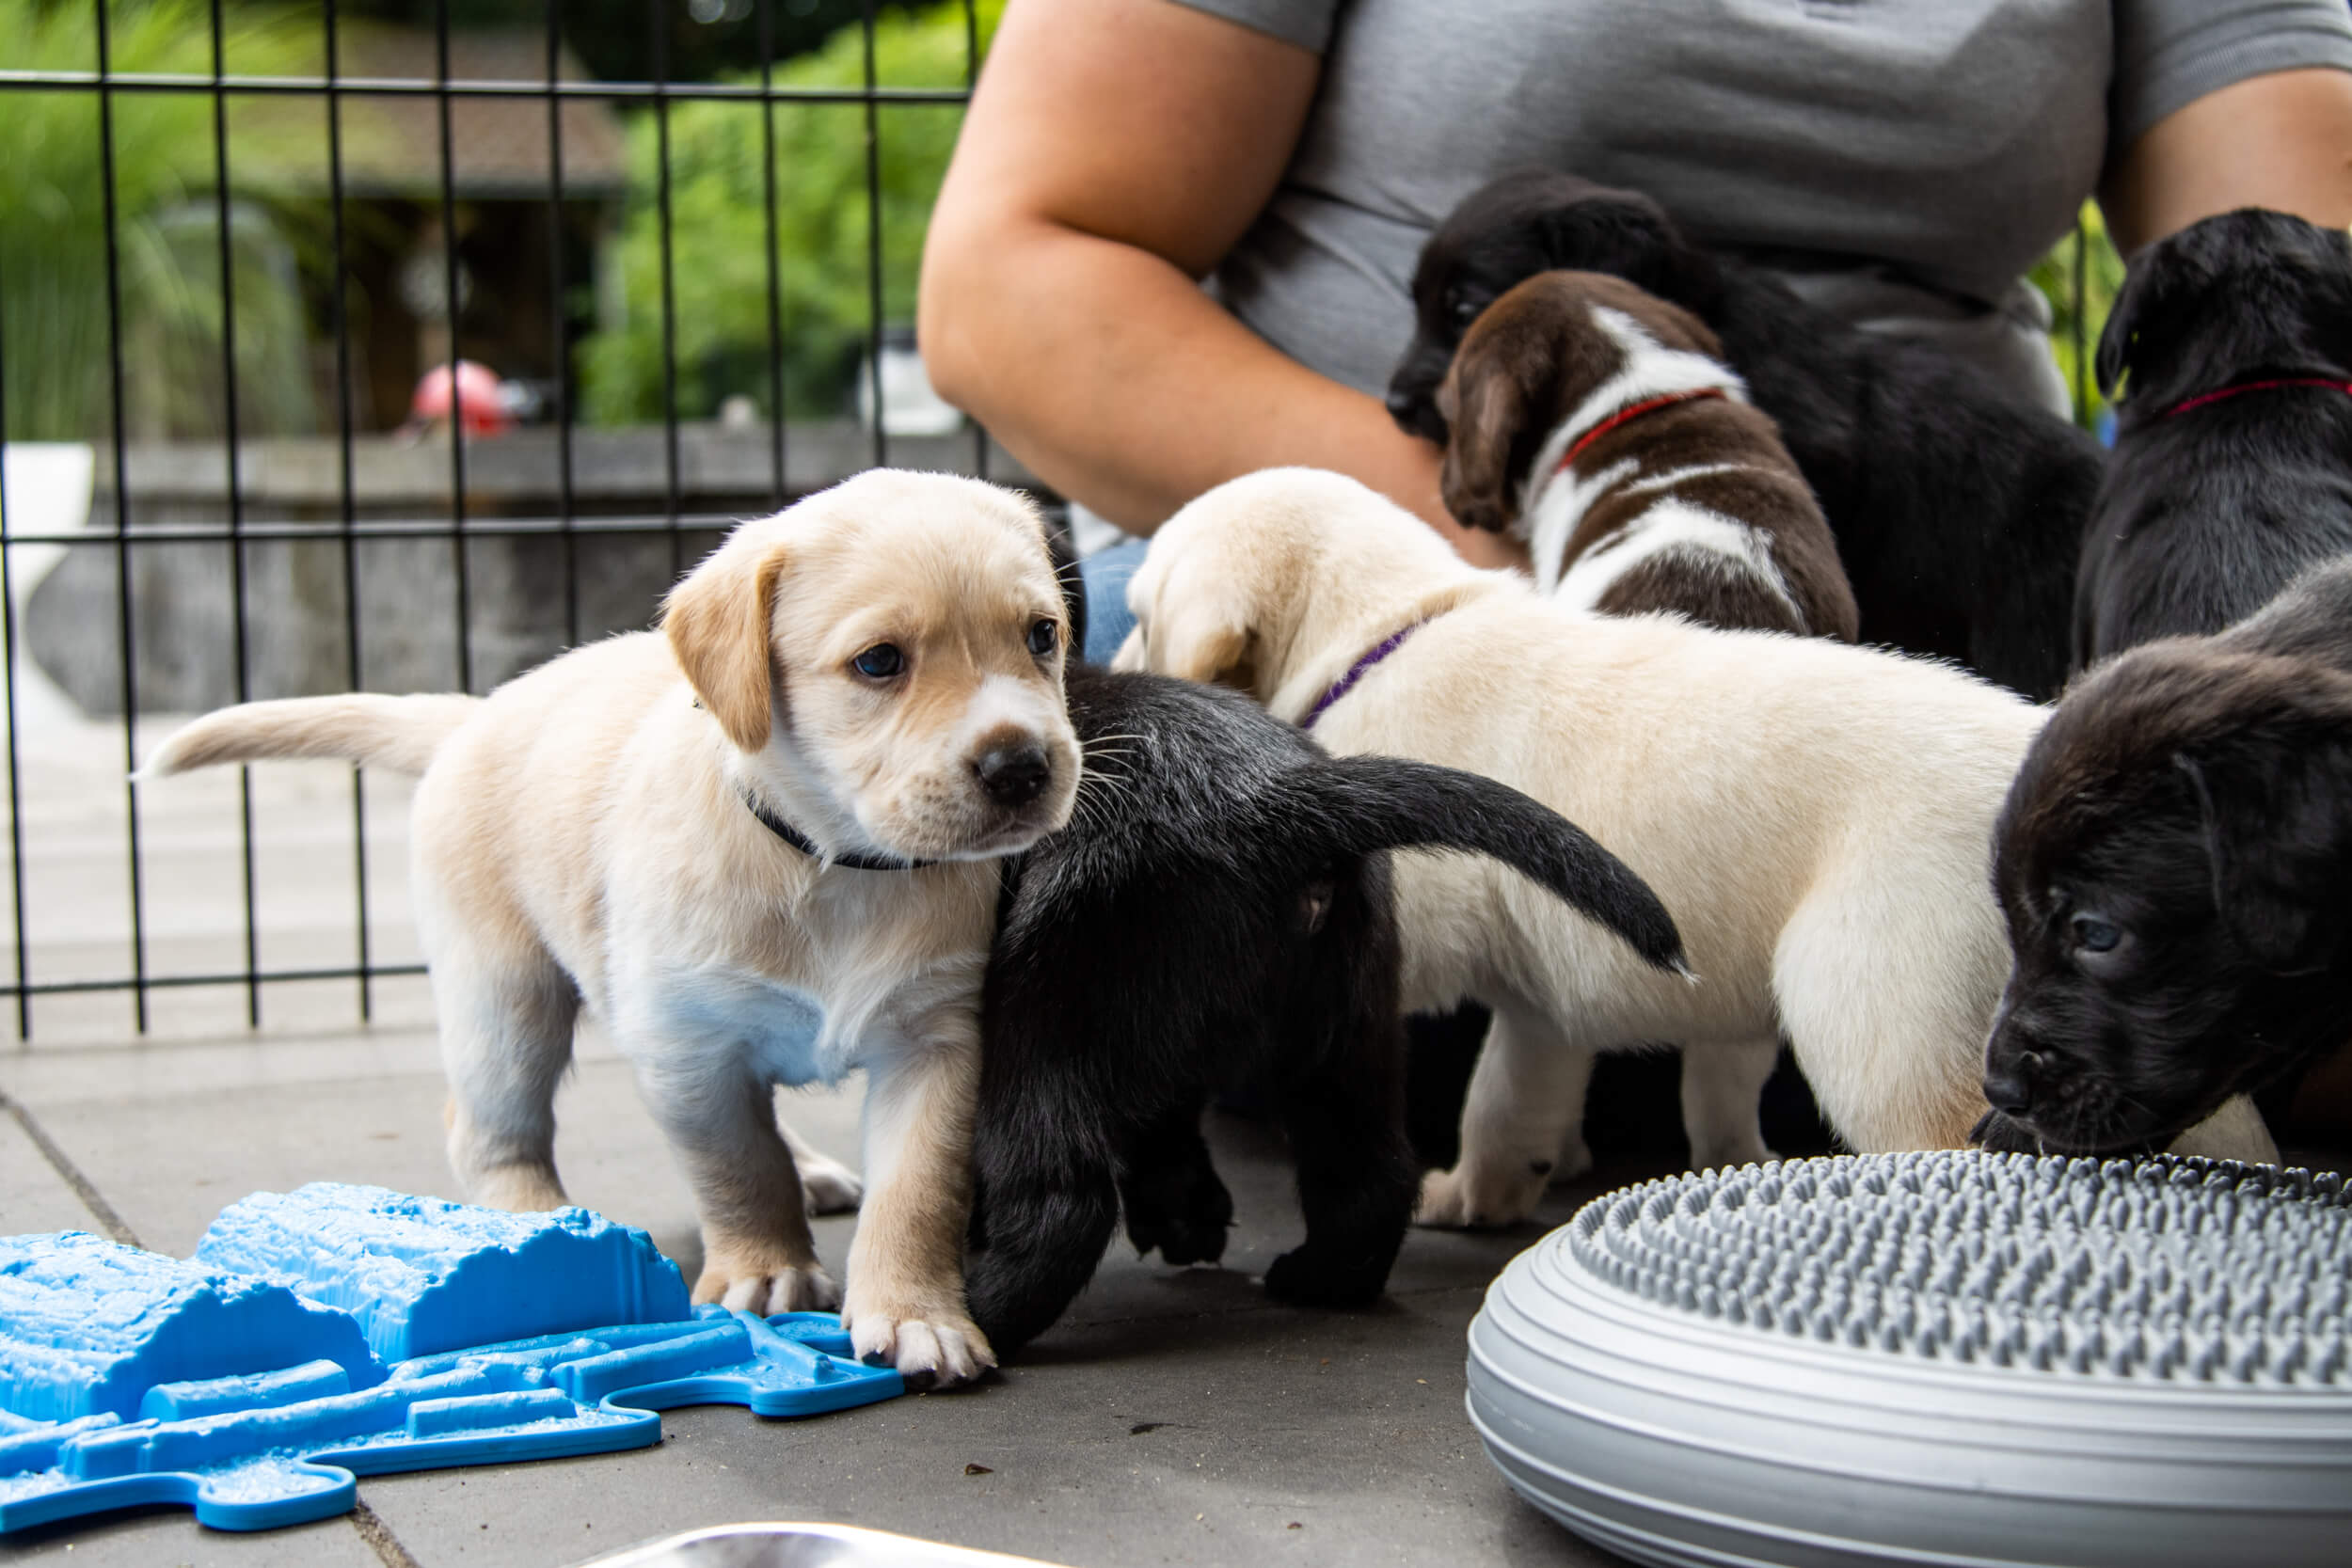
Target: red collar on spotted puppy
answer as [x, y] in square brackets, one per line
[1356, 670]
[2203, 398]
[1630, 413]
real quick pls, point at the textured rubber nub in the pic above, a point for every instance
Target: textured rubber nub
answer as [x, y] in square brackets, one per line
[1944, 1357]
[2179, 1270]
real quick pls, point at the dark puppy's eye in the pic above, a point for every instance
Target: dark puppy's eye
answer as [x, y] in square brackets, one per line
[1465, 309]
[1044, 637]
[879, 662]
[2094, 935]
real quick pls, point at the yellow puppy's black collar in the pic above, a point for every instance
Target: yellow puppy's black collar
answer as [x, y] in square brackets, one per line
[801, 842]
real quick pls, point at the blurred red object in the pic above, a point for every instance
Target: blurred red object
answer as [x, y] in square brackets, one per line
[482, 408]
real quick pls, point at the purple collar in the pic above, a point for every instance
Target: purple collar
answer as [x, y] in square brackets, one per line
[1346, 683]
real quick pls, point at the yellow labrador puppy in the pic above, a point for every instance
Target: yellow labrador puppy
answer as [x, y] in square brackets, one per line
[759, 846]
[1817, 818]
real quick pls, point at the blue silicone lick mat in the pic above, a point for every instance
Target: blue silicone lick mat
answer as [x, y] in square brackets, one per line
[256, 1394]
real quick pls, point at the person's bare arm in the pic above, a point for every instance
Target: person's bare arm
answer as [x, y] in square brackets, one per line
[1114, 150]
[2283, 141]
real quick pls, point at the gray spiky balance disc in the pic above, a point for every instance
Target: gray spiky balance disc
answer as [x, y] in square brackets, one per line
[1944, 1358]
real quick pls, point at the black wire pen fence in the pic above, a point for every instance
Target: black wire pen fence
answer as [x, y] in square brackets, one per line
[416, 343]
[397, 345]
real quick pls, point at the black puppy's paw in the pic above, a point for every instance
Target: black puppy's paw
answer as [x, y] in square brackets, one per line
[1996, 1134]
[1303, 1278]
[1184, 1220]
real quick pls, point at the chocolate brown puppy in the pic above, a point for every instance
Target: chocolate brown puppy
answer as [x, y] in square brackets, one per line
[2175, 864]
[1599, 424]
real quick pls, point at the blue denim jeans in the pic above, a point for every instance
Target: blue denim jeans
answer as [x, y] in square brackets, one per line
[1106, 574]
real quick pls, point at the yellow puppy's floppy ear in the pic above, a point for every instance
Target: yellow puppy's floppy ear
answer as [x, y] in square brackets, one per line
[1200, 646]
[719, 621]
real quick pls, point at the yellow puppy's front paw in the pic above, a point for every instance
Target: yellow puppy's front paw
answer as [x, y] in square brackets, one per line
[768, 1290]
[1457, 1199]
[931, 1348]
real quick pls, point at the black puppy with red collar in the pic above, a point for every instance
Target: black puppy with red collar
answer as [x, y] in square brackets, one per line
[2233, 466]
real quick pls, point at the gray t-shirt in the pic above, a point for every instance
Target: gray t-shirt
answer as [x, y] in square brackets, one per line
[1903, 160]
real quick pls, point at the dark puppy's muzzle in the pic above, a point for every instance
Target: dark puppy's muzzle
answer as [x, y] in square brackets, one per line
[1412, 400]
[2020, 1073]
[2008, 1087]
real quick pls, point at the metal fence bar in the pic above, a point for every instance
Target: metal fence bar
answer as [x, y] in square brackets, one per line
[560, 328]
[767, 23]
[392, 527]
[873, 236]
[392, 86]
[347, 496]
[669, 285]
[231, 433]
[344, 527]
[2081, 328]
[450, 308]
[8, 673]
[122, 517]
[233, 977]
[971, 82]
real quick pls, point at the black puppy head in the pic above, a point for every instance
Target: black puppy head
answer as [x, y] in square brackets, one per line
[1530, 360]
[2244, 294]
[2172, 862]
[1508, 231]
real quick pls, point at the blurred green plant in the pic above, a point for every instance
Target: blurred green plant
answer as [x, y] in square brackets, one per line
[2101, 275]
[54, 309]
[718, 202]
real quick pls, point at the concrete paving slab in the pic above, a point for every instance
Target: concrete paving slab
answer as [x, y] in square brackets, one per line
[1175, 1415]
[168, 1538]
[168, 1156]
[33, 1196]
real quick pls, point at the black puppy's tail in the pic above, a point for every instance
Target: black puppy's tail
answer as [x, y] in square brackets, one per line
[1376, 802]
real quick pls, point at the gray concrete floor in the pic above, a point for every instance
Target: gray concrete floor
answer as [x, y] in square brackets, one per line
[1174, 1416]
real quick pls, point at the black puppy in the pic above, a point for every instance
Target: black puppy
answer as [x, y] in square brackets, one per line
[1958, 511]
[2232, 467]
[2175, 864]
[1219, 913]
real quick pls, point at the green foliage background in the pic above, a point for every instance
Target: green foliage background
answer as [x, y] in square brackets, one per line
[2102, 275]
[54, 334]
[718, 229]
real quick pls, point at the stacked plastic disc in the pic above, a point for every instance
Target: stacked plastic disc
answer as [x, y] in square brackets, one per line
[1938, 1358]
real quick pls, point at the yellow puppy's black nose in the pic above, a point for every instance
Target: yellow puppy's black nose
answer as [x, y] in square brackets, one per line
[1013, 775]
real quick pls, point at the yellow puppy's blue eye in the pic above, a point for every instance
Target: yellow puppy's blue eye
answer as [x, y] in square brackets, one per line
[881, 661]
[1044, 637]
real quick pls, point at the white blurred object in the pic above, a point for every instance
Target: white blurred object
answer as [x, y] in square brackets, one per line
[44, 489]
[798, 1545]
[911, 406]
[1090, 533]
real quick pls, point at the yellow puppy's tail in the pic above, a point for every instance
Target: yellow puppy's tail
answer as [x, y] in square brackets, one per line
[399, 733]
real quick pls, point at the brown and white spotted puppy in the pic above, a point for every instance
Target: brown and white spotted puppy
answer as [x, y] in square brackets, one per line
[1599, 424]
